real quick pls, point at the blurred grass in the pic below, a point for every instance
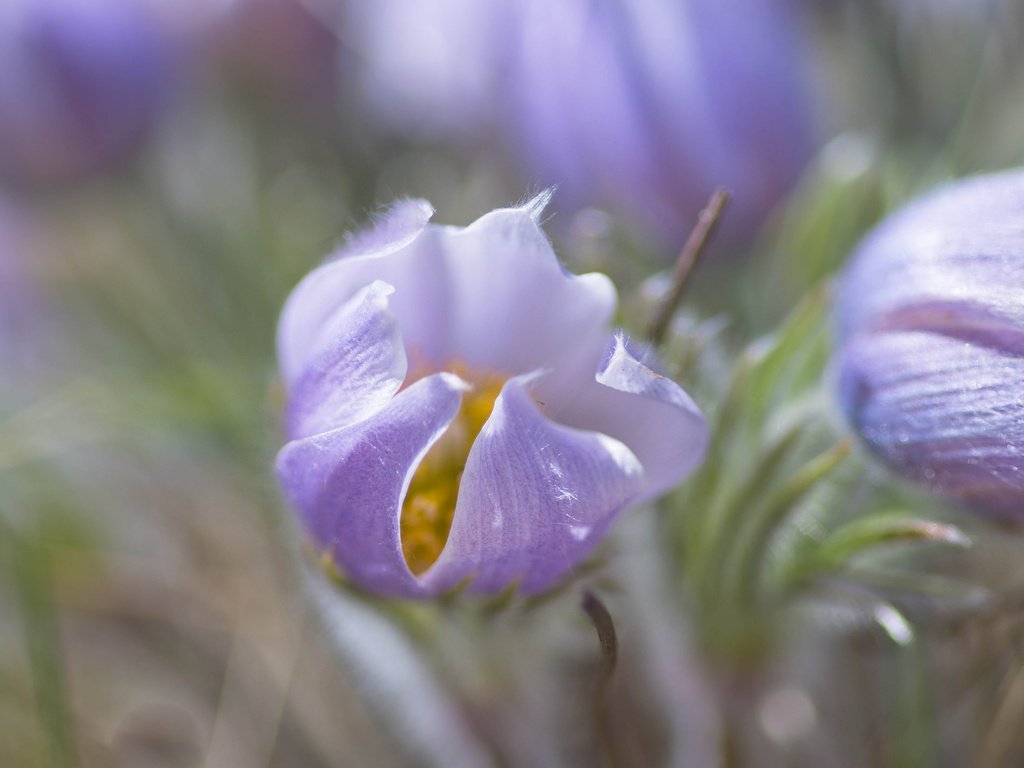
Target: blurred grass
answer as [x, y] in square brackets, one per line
[175, 631]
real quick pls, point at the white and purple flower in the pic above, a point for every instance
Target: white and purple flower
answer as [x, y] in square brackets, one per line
[459, 412]
[930, 366]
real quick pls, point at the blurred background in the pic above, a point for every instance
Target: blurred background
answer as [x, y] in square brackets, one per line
[169, 169]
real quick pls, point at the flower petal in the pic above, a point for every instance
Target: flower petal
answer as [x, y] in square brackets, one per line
[956, 249]
[428, 66]
[648, 412]
[347, 485]
[492, 295]
[357, 368]
[946, 412]
[515, 308]
[400, 224]
[535, 499]
[367, 257]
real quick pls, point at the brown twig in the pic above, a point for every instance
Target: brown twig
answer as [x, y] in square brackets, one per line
[695, 245]
[605, 628]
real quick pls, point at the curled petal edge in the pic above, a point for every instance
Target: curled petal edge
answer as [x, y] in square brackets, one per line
[535, 499]
[648, 412]
[348, 484]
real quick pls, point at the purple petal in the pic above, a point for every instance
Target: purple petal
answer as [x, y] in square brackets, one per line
[957, 250]
[648, 412]
[428, 65]
[514, 307]
[600, 146]
[946, 412]
[535, 499]
[395, 228]
[931, 327]
[348, 485]
[646, 107]
[392, 251]
[492, 296]
[357, 367]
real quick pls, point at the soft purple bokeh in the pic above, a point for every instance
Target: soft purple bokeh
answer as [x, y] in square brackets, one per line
[373, 349]
[280, 45]
[81, 83]
[431, 68]
[24, 320]
[931, 324]
[639, 106]
[645, 106]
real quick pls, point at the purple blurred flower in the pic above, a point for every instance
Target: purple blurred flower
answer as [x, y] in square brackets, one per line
[931, 325]
[81, 82]
[642, 106]
[459, 412]
[647, 106]
[278, 44]
[430, 67]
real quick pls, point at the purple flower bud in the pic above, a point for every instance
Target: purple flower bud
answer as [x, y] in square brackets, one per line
[279, 45]
[641, 106]
[458, 410]
[931, 358]
[647, 106]
[431, 67]
[80, 83]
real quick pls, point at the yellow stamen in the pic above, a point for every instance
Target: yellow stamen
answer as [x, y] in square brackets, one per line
[430, 502]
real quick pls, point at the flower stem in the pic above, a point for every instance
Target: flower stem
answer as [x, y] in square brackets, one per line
[606, 636]
[33, 579]
[695, 245]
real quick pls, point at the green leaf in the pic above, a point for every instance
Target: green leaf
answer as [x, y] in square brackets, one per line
[33, 582]
[749, 551]
[733, 501]
[867, 533]
[781, 355]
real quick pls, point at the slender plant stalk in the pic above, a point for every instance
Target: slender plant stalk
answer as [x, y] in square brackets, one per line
[42, 642]
[606, 636]
[695, 245]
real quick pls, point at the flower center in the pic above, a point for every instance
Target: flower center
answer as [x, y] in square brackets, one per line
[429, 504]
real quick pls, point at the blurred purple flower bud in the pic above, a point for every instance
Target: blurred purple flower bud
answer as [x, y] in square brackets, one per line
[458, 410]
[430, 67]
[640, 106]
[931, 324]
[81, 82]
[645, 106]
[280, 44]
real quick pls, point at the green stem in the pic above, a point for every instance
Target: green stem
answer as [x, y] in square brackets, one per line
[725, 517]
[604, 626]
[32, 579]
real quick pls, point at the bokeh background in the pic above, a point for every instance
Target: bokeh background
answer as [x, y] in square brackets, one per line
[169, 169]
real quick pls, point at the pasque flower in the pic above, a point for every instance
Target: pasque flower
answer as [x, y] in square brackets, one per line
[931, 324]
[639, 106]
[646, 106]
[81, 82]
[460, 414]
